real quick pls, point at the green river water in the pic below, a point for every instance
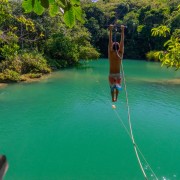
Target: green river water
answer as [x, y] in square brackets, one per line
[64, 127]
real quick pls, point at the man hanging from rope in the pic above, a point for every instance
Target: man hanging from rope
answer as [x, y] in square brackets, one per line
[115, 55]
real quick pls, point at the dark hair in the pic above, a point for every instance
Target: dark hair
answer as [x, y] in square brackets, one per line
[115, 46]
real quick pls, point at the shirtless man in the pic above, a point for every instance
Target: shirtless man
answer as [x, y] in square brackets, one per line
[115, 55]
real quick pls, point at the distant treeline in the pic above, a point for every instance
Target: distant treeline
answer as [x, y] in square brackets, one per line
[139, 16]
[32, 45]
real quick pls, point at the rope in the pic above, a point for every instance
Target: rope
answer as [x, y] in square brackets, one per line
[129, 134]
[131, 131]
[129, 116]
[130, 125]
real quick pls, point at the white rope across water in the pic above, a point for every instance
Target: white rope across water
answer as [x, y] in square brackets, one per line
[136, 149]
[130, 125]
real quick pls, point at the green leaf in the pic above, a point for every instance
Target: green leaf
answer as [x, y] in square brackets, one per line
[45, 3]
[51, 1]
[78, 13]
[75, 2]
[53, 10]
[27, 5]
[69, 16]
[38, 9]
[62, 3]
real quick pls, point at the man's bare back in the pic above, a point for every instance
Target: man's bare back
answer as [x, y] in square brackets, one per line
[115, 55]
[114, 61]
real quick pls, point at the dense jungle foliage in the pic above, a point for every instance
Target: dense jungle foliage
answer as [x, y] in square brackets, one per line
[153, 28]
[32, 44]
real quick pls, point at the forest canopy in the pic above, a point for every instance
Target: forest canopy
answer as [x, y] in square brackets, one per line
[37, 37]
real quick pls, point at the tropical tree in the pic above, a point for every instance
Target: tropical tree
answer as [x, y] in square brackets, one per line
[69, 9]
[15, 31]
[171, 56]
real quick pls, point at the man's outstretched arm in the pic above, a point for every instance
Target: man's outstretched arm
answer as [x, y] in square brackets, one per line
[110, 35]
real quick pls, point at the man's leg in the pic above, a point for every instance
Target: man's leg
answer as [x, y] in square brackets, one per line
[114, 95]
[117, 92]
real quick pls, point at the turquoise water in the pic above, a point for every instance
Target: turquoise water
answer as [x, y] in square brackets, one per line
[64, 128]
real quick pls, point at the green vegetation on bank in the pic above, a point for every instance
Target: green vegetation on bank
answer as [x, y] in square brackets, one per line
[31, 64]
[142, 19]
[32, 45]
[35, 43]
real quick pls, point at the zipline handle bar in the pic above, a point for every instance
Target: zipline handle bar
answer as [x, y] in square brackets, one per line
[117, 26]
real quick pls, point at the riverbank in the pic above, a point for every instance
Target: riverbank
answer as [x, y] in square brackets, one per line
[26, 79]
[174, 81]
[2, 85]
